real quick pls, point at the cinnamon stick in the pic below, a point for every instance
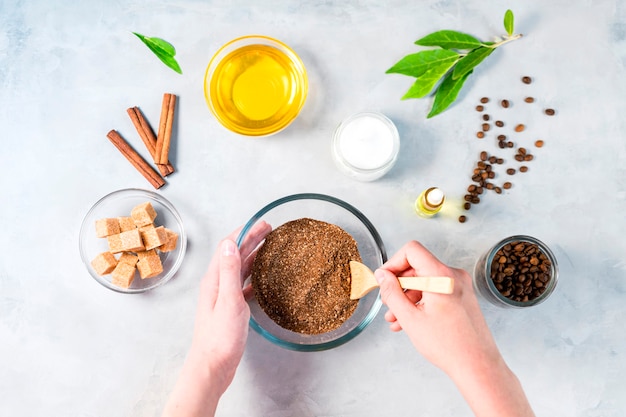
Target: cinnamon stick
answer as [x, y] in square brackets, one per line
[148, 137]
[164, 135]
[136, 160]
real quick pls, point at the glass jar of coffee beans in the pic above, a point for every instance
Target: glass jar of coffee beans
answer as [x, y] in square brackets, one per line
[519, 271]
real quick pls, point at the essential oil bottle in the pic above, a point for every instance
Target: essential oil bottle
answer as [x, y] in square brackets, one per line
[429, 202]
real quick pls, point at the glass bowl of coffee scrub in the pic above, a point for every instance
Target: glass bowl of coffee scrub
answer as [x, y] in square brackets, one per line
[300, 279]
[519, 271]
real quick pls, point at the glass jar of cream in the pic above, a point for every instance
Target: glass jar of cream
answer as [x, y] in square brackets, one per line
[365, 146]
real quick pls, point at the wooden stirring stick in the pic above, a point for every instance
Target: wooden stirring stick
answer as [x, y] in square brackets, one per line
[364, 281]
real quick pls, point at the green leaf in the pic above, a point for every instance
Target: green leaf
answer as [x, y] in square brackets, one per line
[509, 22]
[426, 82]
[471, 60]
[449, 39]
[447, 93]
[415, 65]
[164, 50]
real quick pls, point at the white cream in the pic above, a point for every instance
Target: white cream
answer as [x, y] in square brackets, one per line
[366, 146]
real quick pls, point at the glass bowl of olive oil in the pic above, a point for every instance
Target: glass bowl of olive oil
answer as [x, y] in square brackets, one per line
[255, 85]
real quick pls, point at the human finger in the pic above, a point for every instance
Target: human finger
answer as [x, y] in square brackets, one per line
[254, 237]
[393, 295]
[229, 270]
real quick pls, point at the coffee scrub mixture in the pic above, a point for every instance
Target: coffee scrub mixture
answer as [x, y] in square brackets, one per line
[301, 276]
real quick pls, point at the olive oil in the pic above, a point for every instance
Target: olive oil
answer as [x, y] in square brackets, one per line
[257, 89]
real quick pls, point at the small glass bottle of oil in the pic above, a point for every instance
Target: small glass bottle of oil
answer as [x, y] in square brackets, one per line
[429, 202]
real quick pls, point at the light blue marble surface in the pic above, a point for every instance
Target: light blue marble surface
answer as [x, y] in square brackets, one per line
[69, 70]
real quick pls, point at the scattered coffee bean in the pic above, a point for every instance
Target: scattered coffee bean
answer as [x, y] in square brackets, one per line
[539, 143]
[510, 171]
[498, 190]
[521, 271]
[505, 103]
[479, 108]
[510, 144]
[484, 100]
[529, 100]
[519, 158]
[520, 128]
[550, 112]
[462, 219]
[486, 127]
[493, 159]
[523, 168]
[467, 205]
[528, 157]
[506, 185]
[522, 151]
[483, 156]
[480, 135]
[501, 137]
[499, 161]
[499, 123]
[527, 80]
[502, 145]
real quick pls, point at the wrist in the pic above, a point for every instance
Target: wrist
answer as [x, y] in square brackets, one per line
[492, 389]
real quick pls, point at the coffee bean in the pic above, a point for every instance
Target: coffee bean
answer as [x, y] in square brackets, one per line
[498, 190]
[499, 123]
[519, 158]
[505, 103]
[493, 159]
[501, 137]
[510, 144]
[484, 100]
[486, 117]
[480, 135]
[479, 108]
[520, 128]
[512, 271]
[510, 171]
[529, 100]
[523, 168]
[539, 143]
[486, 127]
[526, 80]
[506, 185]
[467, 205]
[522, 151]
[528, 157]
[502, 145]
[483, 156]
[499, 161]
[550, 112]
[462, 219]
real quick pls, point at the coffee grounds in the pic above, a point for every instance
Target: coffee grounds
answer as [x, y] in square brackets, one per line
[301, 276]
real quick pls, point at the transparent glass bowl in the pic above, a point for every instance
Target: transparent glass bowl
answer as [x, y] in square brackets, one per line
[485, 286]
[120, 203]
[331, 210]
[262, 64]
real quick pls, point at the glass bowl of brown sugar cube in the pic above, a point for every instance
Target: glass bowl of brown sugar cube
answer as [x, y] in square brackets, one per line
[132, 241]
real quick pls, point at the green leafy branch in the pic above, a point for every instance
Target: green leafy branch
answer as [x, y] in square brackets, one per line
[164, 50]
[450, 65]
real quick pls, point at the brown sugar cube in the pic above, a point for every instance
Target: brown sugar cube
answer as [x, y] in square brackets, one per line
[104, 263]
[128, 258]
[129, 241]
[107, 227]
[172, 239]
[143, 214]
[149, 264]
[153, 237]
[123, 274]
[126, 224]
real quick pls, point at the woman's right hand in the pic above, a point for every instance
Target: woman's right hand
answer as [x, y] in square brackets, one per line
[450, 331]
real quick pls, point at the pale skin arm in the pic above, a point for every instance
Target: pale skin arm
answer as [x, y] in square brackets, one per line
[220, 331]
[450, 331]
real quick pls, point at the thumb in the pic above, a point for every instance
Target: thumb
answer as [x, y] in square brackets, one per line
[230, 268]
[393, 296]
